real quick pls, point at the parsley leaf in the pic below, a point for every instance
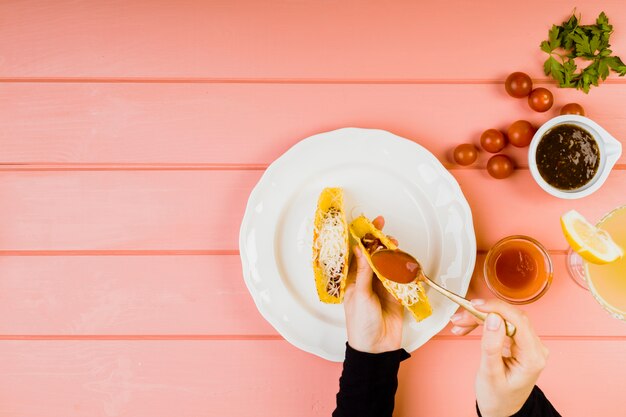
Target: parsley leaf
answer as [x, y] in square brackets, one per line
[555, 69]
[553, 38]
[616, 65]
[603, 21]
[571, 41]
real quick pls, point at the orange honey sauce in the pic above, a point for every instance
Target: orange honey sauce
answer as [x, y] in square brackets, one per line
[518, 269]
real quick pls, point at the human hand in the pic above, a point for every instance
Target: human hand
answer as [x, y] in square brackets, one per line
[509, 367]
[373, 315]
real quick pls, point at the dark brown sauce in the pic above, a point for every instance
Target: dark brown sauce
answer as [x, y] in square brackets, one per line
[568, 157]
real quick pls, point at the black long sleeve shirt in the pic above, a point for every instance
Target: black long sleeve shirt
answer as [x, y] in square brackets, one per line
[368, 385]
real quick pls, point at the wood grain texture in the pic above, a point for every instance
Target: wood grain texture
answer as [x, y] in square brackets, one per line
[575, 366]
[516, 205]
[123, 210]
[205, 297]
[132, 132]
[126, 295]
[350, 40]
[185, 378]
[191, 378]
[202, 210]
[233, 124]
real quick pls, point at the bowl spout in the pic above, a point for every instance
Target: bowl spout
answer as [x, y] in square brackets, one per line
[612, 147]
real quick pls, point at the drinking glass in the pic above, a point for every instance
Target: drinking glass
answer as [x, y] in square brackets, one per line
[607, 282]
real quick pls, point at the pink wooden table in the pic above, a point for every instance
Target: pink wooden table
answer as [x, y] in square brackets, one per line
[132, 132]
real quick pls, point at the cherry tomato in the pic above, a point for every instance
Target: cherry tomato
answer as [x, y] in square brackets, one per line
[573, 108]
[492, 140]
[518, 85]
[465, 154]
[540, 99]
[500, 166]
[521, 133]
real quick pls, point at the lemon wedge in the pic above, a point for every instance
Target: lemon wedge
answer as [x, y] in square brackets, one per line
[593, 244]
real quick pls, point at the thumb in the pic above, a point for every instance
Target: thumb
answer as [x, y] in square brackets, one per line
[491, 362]
[364, 273]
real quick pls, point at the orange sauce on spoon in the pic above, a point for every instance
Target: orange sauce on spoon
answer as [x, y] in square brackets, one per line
[396, 265]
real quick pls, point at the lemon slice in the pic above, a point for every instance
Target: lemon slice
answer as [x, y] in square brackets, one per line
[593, 244]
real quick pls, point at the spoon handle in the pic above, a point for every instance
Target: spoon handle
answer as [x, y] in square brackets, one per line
[510, 328]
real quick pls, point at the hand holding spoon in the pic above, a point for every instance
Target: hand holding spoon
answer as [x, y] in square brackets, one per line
[401, 267]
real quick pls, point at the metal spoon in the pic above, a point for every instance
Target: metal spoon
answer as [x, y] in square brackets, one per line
[403, 268]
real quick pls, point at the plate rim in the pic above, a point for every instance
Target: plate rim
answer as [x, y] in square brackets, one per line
[274, 165]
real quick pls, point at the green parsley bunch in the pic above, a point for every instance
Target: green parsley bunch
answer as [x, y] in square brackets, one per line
[587, 42]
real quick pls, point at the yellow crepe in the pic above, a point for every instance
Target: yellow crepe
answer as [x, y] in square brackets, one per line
[420, 309]
[329, 199]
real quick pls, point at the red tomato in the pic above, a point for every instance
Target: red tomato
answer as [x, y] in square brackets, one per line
[500, 166]
[492, 140]
[518, 85]
[521, 133]
[540, 99]
[573, 108]
[465, 154]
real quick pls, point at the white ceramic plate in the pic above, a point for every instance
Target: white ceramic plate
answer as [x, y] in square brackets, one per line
[380, 173]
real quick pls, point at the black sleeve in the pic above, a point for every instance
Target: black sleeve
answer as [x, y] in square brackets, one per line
[368, 384]
[537, 405]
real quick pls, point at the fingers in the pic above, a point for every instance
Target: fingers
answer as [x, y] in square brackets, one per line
[525, 336]
[527, 349]
[492, 346]
[388, 302]
[379, 222]
[507, 348]
[464, 323]
[364, 273]
[463, 330]
[465, 319]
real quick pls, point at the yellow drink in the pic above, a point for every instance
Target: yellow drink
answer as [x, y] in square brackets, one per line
[608, 282]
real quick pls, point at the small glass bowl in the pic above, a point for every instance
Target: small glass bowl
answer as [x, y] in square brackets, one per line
[524, 294]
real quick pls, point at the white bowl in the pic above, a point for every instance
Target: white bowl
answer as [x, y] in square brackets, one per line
[610, 151]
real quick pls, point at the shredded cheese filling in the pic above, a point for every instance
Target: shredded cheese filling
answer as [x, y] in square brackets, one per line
[332, 250]
[408, 294]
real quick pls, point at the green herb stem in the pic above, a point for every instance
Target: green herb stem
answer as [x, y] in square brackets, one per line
[586, 42]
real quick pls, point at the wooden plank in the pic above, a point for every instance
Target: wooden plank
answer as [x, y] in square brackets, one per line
[278, 39]
[202, 210]
[126, 295]
[204, 296]
[445, 372]
[156, 123]
[180, 210]
[517, 205]
[161, 378]
[191, 378]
